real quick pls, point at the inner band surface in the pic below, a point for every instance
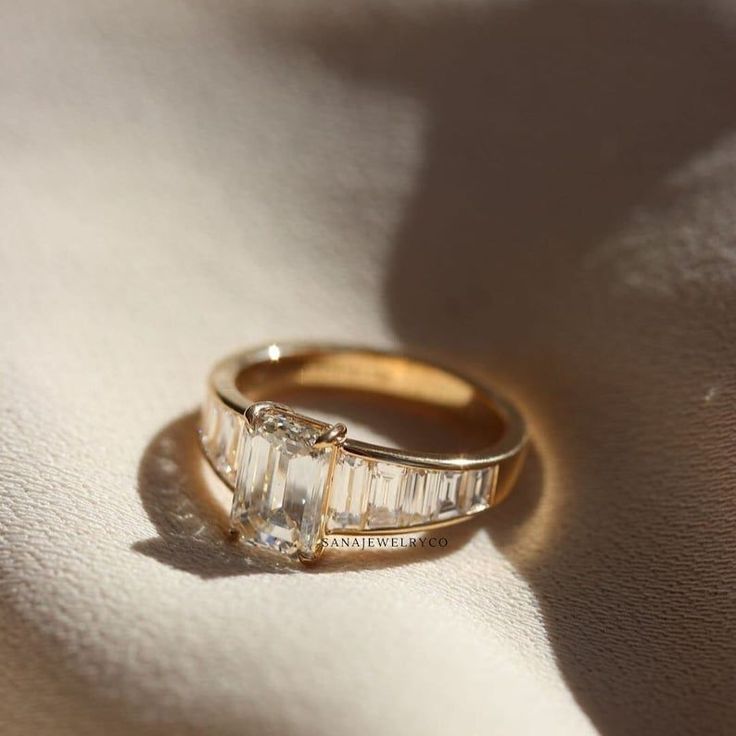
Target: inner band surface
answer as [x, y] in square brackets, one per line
[270, 373]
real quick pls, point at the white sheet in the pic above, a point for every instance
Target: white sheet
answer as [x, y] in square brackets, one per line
[543, 189]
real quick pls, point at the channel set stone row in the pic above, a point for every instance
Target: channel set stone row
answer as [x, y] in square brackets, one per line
[279, 480]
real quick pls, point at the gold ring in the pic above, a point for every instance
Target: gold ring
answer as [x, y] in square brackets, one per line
[297, 481]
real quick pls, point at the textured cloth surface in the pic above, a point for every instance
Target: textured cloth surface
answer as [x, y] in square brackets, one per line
[542, 190]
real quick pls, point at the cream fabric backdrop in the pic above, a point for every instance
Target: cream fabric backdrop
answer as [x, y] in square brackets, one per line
[545, 189]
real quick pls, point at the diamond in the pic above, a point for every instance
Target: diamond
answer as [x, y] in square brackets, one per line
[280, 484]
[348, 493]
[383, 495]
[478, 491]
[431, 500]
[412, 496]
[220, 432]
[450, 482]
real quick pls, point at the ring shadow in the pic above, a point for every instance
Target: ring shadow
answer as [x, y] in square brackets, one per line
[181, 496]
[548, 127]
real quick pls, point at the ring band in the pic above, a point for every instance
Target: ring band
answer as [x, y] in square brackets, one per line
[297, 480]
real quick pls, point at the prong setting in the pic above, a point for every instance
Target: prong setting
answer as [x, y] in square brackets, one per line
[255, 411]
[311, 559]
[333, 435]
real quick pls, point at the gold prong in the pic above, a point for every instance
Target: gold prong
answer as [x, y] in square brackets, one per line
[254, 411]
[334, 435]
[309, 560]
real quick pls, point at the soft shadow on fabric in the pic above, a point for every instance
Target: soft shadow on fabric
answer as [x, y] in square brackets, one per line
[549, 126]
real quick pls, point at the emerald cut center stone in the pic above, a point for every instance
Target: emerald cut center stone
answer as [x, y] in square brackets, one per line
[281, 483]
